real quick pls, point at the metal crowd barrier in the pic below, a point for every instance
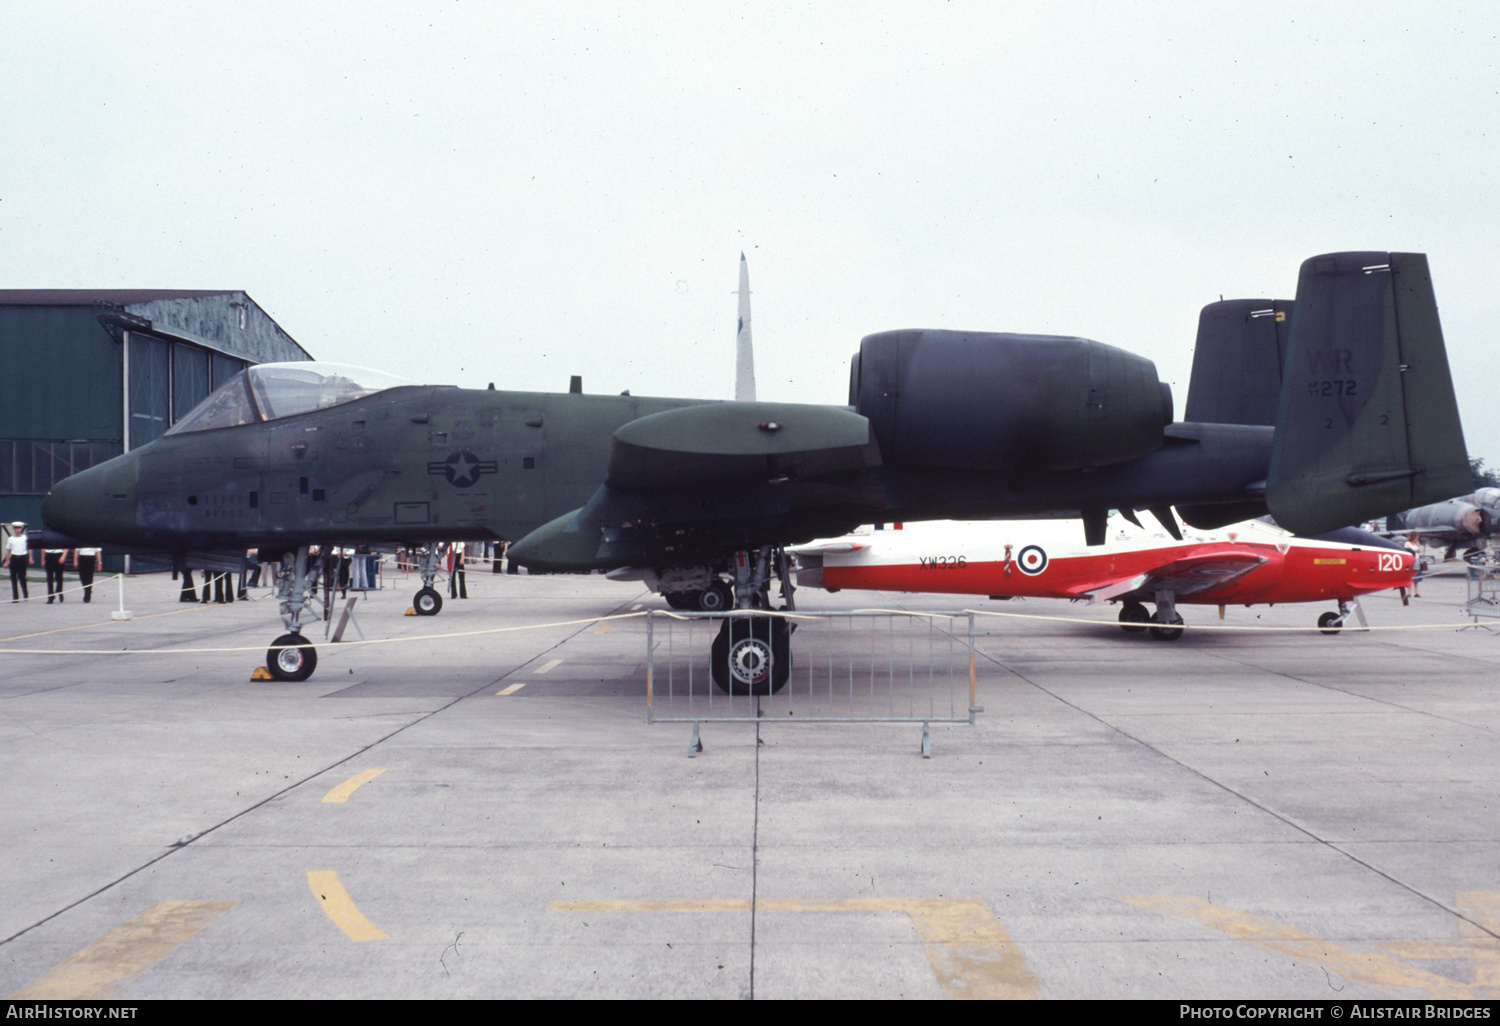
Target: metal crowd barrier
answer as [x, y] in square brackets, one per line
[850, 666]
[1484, 592]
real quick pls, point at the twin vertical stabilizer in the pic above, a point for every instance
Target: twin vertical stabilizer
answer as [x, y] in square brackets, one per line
[744, 360]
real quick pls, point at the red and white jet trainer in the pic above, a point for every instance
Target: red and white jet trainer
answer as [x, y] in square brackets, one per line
[1251, 563]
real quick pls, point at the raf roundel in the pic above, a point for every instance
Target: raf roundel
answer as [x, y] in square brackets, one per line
[1032, 560]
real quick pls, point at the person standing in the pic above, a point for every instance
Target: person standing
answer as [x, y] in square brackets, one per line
[52, 564]
[458, 585]
[18, 557]
[87, 561]
[357, 567]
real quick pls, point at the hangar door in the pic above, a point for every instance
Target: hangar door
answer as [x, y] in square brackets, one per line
[167, 379]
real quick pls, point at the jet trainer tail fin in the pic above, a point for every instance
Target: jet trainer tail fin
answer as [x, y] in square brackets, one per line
[1237, 362]
[1367, 423]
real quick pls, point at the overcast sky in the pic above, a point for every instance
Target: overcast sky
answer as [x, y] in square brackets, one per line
[473, 192]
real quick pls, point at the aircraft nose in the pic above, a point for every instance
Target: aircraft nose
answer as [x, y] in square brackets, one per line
[95, 505]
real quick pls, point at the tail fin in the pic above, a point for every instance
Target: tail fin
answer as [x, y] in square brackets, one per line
[1368, 422]
[744, 350]
[1237, 362]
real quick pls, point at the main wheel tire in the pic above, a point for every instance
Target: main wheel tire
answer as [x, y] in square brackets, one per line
[427, 602]
[752, 655]
[716, 598]
[1134, 618]
[1328, 623]
[294, 663]
[1169, 631]
[680, 599]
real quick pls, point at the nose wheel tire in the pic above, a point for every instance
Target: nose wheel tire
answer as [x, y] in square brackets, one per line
[752, 655]
[427, 602]
[1134, 618]
[1329, 623]
[1170, 631]
[296, 662]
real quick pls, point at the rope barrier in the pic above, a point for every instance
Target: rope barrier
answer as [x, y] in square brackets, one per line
[1246, 628]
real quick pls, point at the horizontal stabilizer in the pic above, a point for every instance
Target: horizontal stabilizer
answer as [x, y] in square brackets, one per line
[1368, 422]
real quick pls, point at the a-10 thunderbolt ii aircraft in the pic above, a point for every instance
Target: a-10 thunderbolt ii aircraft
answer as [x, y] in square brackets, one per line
[1469, 520]
[702, 498]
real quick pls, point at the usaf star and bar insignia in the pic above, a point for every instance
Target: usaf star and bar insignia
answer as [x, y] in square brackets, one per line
[462, 469]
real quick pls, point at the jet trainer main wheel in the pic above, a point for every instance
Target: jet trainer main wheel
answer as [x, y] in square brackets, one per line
[679, 599]
[1134, 618]
[1328, 623]
[1168, 632]
[716, 598]
[293, 663]
[752, 655]
[427, 602]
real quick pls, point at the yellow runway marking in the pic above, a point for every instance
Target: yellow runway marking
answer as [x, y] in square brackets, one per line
[545, 667]
[335, 901]
[344, 790]
[98, 970]
[971, 954]
[1375, 968]
[512, 689]
[606, 627]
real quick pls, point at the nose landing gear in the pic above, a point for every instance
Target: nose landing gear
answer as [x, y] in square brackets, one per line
[428, 602]
[292, 657]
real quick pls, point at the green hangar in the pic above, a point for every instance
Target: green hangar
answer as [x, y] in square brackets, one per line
[90, 373]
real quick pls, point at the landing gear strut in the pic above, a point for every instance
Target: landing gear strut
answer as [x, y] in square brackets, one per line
[292, 657]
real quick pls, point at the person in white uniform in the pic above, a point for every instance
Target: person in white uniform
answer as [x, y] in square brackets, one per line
[18, 558]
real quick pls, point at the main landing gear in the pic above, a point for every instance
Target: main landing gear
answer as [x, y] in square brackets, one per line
[716, 598]
[752, 654]
[1166, 625]
[292, 657]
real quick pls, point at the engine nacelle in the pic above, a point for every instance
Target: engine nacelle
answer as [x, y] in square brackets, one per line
[992, 401]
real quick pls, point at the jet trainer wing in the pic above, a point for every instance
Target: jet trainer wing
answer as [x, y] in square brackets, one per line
[1189, 575]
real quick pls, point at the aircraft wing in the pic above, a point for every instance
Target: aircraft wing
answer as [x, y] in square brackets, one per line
[1190, 575]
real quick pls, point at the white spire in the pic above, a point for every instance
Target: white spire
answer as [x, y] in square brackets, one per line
[744, 361]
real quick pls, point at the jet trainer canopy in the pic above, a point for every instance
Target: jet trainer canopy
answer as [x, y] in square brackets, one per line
[270, 391]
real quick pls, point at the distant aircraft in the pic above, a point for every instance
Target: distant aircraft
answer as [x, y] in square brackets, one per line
[703, 498]
[1250, 563]
[1469, 520]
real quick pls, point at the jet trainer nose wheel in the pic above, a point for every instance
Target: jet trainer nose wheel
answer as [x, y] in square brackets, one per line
[427, 602]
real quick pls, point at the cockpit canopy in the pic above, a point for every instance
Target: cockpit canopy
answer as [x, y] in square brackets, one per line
[270, 391]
